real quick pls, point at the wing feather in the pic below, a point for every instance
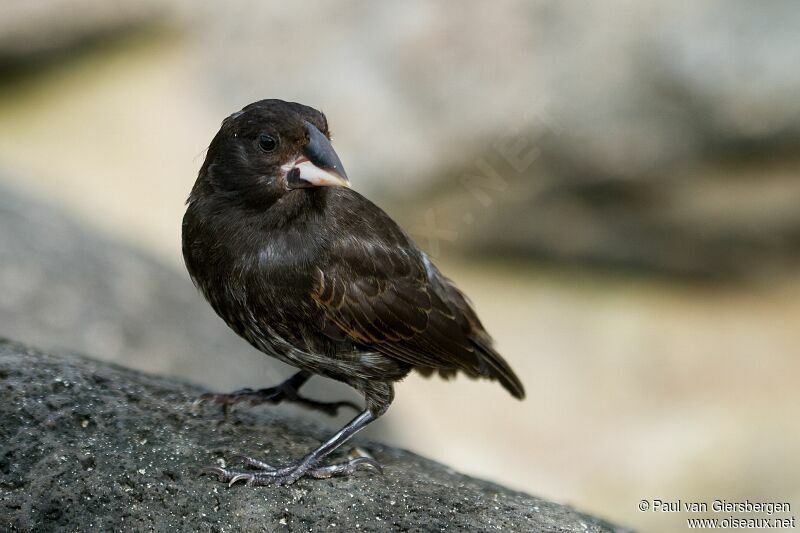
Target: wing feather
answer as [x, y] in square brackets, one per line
[377, 289]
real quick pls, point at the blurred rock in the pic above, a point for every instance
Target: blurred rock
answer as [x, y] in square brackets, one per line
[642, 133]
[623, 87]
[658, 136]
[729, 218]
[86, 445]
[32, 30]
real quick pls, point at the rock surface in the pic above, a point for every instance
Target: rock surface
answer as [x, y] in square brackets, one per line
[35, 31]
[86, 445]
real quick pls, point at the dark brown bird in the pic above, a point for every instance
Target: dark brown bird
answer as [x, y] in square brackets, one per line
[310, 272]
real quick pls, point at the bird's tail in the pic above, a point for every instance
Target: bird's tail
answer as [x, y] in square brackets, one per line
[497, 368]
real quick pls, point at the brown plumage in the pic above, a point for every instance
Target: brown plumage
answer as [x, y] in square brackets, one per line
[311, 272]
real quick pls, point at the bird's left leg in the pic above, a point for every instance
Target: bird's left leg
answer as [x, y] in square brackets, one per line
[288, 391]
[266, 474]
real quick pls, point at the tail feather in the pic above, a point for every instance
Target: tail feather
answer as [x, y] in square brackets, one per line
[499, 369]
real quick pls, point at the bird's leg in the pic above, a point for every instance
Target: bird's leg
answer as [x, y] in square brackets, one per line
[266, 474]
[288, 391]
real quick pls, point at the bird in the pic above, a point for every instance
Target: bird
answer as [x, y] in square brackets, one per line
[309, 271]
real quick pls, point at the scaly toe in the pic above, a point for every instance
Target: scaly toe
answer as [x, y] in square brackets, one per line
[253, 463]
[265, 474]
[346, 469]
[282, 476]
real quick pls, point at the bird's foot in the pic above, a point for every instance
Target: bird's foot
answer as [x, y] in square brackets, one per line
[274, 396]
[265, 474]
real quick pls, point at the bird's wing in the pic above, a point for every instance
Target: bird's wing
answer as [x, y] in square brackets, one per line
[394, 300]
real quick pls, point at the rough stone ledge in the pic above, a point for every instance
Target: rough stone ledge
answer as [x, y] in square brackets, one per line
[86, 445]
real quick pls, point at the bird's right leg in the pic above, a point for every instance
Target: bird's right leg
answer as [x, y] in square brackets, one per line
[378, 396]
[265, 474]
[288, 391]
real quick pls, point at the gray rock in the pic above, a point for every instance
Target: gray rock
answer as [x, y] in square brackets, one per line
[86, 445]
[32, 31]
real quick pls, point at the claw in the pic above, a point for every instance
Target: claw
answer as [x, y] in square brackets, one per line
[237, 477]
[369, 462]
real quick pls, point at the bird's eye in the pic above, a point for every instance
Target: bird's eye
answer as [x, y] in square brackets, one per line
[267, 142]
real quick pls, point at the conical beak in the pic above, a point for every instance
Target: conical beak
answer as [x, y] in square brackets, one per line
[319, 166]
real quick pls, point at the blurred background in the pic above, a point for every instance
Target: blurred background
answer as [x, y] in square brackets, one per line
[616, 185]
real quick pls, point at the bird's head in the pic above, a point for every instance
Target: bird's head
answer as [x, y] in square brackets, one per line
[270, 148]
